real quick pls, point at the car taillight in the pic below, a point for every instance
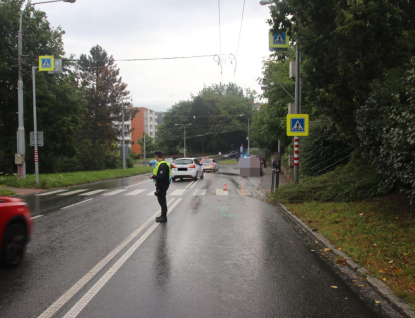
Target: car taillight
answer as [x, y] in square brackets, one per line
[192, 166]
[213, 164]
[173, 166]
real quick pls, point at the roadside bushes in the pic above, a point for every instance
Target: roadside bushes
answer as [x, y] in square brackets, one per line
[358, 180]
[386, 129]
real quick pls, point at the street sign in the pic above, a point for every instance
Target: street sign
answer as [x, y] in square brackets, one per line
[46, 63]
[279, 41]
[297, 125]
[39, 139]
[57, 67]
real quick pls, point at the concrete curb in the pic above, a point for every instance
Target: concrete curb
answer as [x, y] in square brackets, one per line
[377, 285]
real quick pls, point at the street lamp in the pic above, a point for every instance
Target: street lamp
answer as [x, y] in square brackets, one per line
[248, 132]
[265, 2]
[184, 136]
[21, 149]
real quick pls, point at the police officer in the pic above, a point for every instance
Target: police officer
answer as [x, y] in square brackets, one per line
[161, 176]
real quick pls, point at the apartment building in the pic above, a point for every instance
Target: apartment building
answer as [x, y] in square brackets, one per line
[144, 121]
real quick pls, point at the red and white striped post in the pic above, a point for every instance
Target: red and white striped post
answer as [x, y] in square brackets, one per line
[36, 155]
[296, 159]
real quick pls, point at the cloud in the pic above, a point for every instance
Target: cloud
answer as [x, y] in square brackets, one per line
[131, 29]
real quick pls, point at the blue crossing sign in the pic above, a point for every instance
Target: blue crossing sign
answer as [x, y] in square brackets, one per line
[46, 63]
[297, 125]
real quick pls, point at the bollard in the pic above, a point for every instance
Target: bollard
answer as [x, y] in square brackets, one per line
[272, 182]
[277, 181]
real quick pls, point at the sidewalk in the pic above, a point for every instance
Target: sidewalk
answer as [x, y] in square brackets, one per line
[267, 179]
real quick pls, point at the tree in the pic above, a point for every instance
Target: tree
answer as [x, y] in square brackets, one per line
[58, 103]
[214, 117]
[103, 91]
[345, 46]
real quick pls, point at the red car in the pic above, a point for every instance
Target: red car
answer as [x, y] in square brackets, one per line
[15, 230]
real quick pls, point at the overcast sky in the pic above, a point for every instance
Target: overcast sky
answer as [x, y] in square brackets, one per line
[137, 29]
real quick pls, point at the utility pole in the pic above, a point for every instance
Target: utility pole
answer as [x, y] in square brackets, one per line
[184, 137]
[123, 135]
[35, 124]
[297, 111]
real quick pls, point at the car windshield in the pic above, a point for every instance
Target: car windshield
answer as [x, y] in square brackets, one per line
[206, 160]
[184, 161]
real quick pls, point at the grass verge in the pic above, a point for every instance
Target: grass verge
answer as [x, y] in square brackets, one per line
[228, 161]
[58, 180]
[6, 192]
[378, 234]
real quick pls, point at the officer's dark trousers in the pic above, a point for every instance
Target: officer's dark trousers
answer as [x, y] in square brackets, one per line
[162, 189]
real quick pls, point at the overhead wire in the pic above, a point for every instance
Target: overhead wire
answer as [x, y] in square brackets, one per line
[220, 45]
[239, 40]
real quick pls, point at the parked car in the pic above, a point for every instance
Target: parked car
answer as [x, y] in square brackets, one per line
[231, 154]
[187, 168]
[152, 162]
[15, 230]
[209, 165]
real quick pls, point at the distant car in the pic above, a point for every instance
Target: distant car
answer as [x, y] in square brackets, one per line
[152, 162]
[209, 165]
[169, 160]
[231, 154]
[15, 230]
[187, 168]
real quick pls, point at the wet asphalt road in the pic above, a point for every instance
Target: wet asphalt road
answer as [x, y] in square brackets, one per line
[102, 255]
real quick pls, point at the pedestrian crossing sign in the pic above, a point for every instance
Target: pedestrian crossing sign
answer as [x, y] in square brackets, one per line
[297, 125]
[46, 63]
[279, 41]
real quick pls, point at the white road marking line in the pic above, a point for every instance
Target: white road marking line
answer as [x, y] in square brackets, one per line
[69, 206]
[189, 184]
[58, 304]
[81, 304]
[114, 192]
[37, 216]
[221, 192]
[73, 192]
[94, 192]
[243, 192]
[152, 192]
[178, 192]
[135, 192]
[134, 185]
[51, 192]
[193, 184]
[199, 192]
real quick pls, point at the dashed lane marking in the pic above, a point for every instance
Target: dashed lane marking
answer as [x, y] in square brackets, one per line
[243, 192]
[114, 192]
[51, 192]
[134, 185]
[221, 192]
[199, 192]
[73, 192]
[94, 192]
[178, 192]
[135, 192]
[69, 206]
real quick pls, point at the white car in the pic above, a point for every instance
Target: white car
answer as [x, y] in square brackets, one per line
[186, 168]
[209, 165]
